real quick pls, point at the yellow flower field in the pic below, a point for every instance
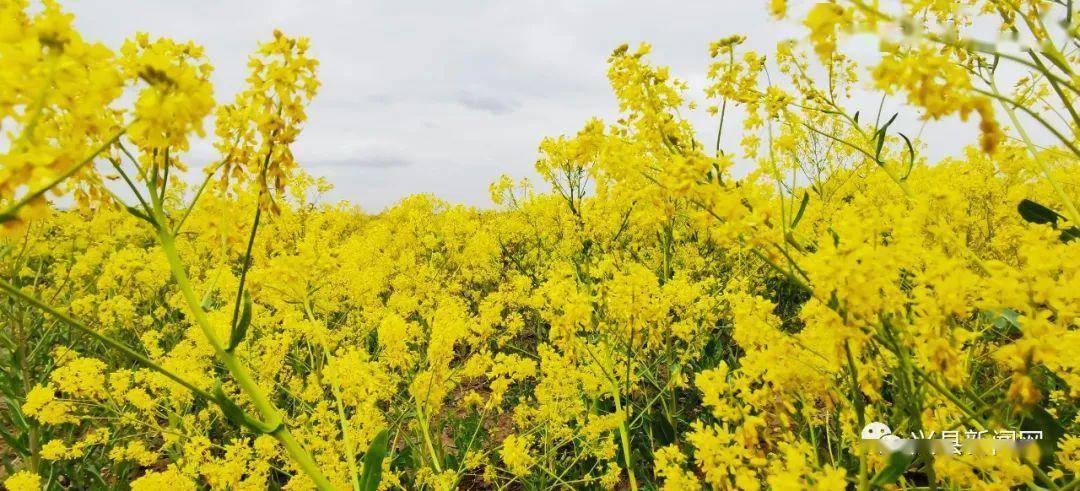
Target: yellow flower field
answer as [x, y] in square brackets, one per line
[644, 318]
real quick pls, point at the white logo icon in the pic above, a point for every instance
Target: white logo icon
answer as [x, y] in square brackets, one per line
[875, 431]
[881, 432]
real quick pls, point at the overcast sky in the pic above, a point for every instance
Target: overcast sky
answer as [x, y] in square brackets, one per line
[443, 97]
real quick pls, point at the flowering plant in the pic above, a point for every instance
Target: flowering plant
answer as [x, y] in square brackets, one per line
[651, 319]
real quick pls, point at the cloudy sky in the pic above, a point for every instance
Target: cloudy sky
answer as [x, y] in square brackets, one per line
[443, 97]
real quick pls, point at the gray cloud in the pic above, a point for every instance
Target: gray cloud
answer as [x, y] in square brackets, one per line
[363, 161]
[360, 153]
[491, 104]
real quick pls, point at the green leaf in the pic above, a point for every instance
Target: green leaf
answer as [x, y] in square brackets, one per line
[1005, 318]
[881, 137]
[802, 208]
[94, 471]
[1036, 213]
[1052, 431]
[911, 154]
[139, 214]
[897, 464]
[1056, 57]
[372, 473]
[237, 416]
[1051, 428]
[889, 123]
[232, 412]
[239, 330]
[14, 443]
[16, 410]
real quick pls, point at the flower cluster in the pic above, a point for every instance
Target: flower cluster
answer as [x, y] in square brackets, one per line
[659, 313]
[176, 97]
[255, 131]
[56, 97]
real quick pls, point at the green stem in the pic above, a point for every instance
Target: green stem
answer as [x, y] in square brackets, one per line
[266, 409]
[301, 458]
[946, 393]
[624, 439]
[16, 293]
[350, 446]
[247, 265]
[9, 213]
[191, 206]
[422, 419]
[1074, 215]
[856, 394]
[34, 438]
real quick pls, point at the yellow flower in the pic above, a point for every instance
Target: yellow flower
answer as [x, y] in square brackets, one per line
[54, 450]
[256, 131]
[825, 20]
[134, 451]
[23, 481]
[81, 377]
[515, 454]
[747, 300]
[42, 405]
[55, 96]
[176, 98]
[170, 478]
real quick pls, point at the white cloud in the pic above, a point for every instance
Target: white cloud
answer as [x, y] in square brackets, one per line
[443, 97]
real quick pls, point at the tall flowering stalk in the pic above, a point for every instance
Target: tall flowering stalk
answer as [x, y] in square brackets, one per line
[58, 144]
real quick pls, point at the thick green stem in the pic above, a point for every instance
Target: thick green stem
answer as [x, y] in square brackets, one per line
[239, 372]
[301, 458]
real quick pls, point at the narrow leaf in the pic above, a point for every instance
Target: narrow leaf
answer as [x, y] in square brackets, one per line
[889, 123]
[898, 463]
[229, 408]
[911, 154]
[1048, 424]
[139, 214]
[237, 416]
[1036, 213]
[1005, 319]
[19, 420]
[1056, 58]
[881, 133]
[802, 208]
[835, 237]
[372, 473]
[1051, 428]
[239, 331]
[13, 442]
[1070, 234]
